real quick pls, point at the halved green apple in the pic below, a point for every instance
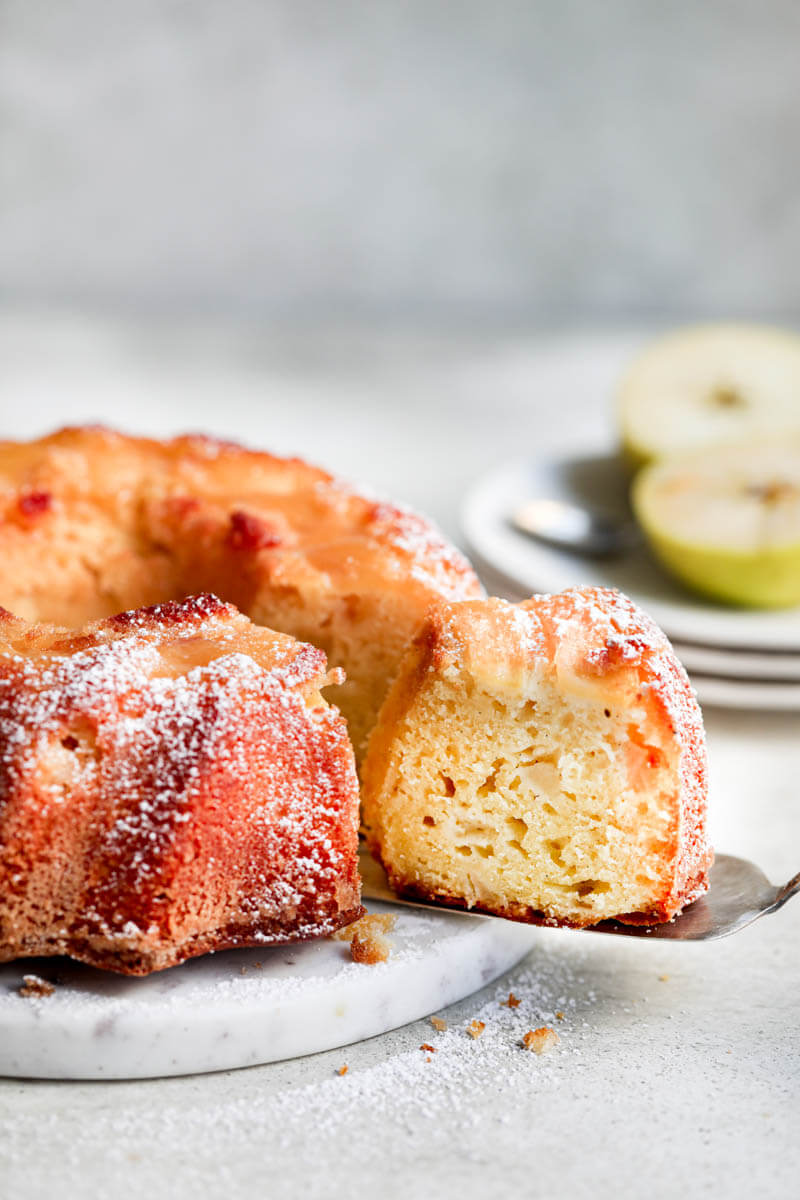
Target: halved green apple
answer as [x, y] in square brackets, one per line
[726, 521]
[708, 385]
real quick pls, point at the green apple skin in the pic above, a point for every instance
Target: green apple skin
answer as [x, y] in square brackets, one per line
[633, 457]
[769, 580]
[763, 579]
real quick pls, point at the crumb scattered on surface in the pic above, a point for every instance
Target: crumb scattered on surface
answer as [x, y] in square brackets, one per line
[511, 1002]
[427, 1046]
[366, 937]
[540, 1040]
[376, 922]
[559, 1015]
[476, 1028]
[369, 948]
[663, 978]
[34, 985]
[439, 1024]
[343, 1070]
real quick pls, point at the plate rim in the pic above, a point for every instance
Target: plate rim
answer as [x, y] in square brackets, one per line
[718, 623]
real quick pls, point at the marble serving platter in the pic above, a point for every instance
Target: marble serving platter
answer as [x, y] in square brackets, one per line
[244, 1007]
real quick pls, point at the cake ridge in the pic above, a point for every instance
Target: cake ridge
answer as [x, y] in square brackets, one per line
[152, 807]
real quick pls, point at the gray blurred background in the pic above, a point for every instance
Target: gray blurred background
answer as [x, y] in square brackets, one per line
[553, 162]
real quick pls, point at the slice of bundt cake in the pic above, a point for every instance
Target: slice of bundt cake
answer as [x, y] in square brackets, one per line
[171, 782]
[542, 761]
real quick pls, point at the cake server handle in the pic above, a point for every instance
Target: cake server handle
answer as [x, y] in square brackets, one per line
[786, 892]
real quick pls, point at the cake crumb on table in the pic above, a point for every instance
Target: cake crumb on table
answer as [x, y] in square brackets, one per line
[427, 1046]
[366, 937]
[34, 985]
[476, 1028]
[559, 1015]
[663, 978]
[376, 922]
[343, 1070]
[511, 1002]
[369, 948]
[439, 1024]
[540, 1040]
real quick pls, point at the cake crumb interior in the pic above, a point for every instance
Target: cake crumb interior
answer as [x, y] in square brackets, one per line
[556, 806]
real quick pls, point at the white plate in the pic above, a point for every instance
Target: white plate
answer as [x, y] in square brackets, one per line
[532, 566]
[243, 1007]
[739, 664]
[742, 693]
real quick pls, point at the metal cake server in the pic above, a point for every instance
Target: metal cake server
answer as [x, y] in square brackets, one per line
[739, 893]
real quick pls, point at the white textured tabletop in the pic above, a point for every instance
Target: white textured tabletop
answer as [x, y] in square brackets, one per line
[678, 1066]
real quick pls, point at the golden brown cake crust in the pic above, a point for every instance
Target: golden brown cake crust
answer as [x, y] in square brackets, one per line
[93, 522]
[277, 521]
[171, 782]
[595, 641]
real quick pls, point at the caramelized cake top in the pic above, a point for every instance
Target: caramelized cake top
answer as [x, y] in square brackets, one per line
[93, 521]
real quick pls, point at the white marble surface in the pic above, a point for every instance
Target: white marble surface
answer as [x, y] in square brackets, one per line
[244, 1007]
[678, 1067]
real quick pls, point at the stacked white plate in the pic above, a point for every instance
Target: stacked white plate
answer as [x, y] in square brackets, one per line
[737, 658]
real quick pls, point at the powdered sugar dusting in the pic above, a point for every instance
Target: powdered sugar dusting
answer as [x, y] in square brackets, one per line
[147, 801]
[416, 1095]
[526, 628]
[430, 559]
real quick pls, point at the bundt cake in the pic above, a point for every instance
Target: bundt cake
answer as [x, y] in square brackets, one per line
[94, 522]
[171, 781]
[542, 761]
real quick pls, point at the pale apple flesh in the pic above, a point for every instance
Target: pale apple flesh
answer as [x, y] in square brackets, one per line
[708, 386]
[726, 522]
